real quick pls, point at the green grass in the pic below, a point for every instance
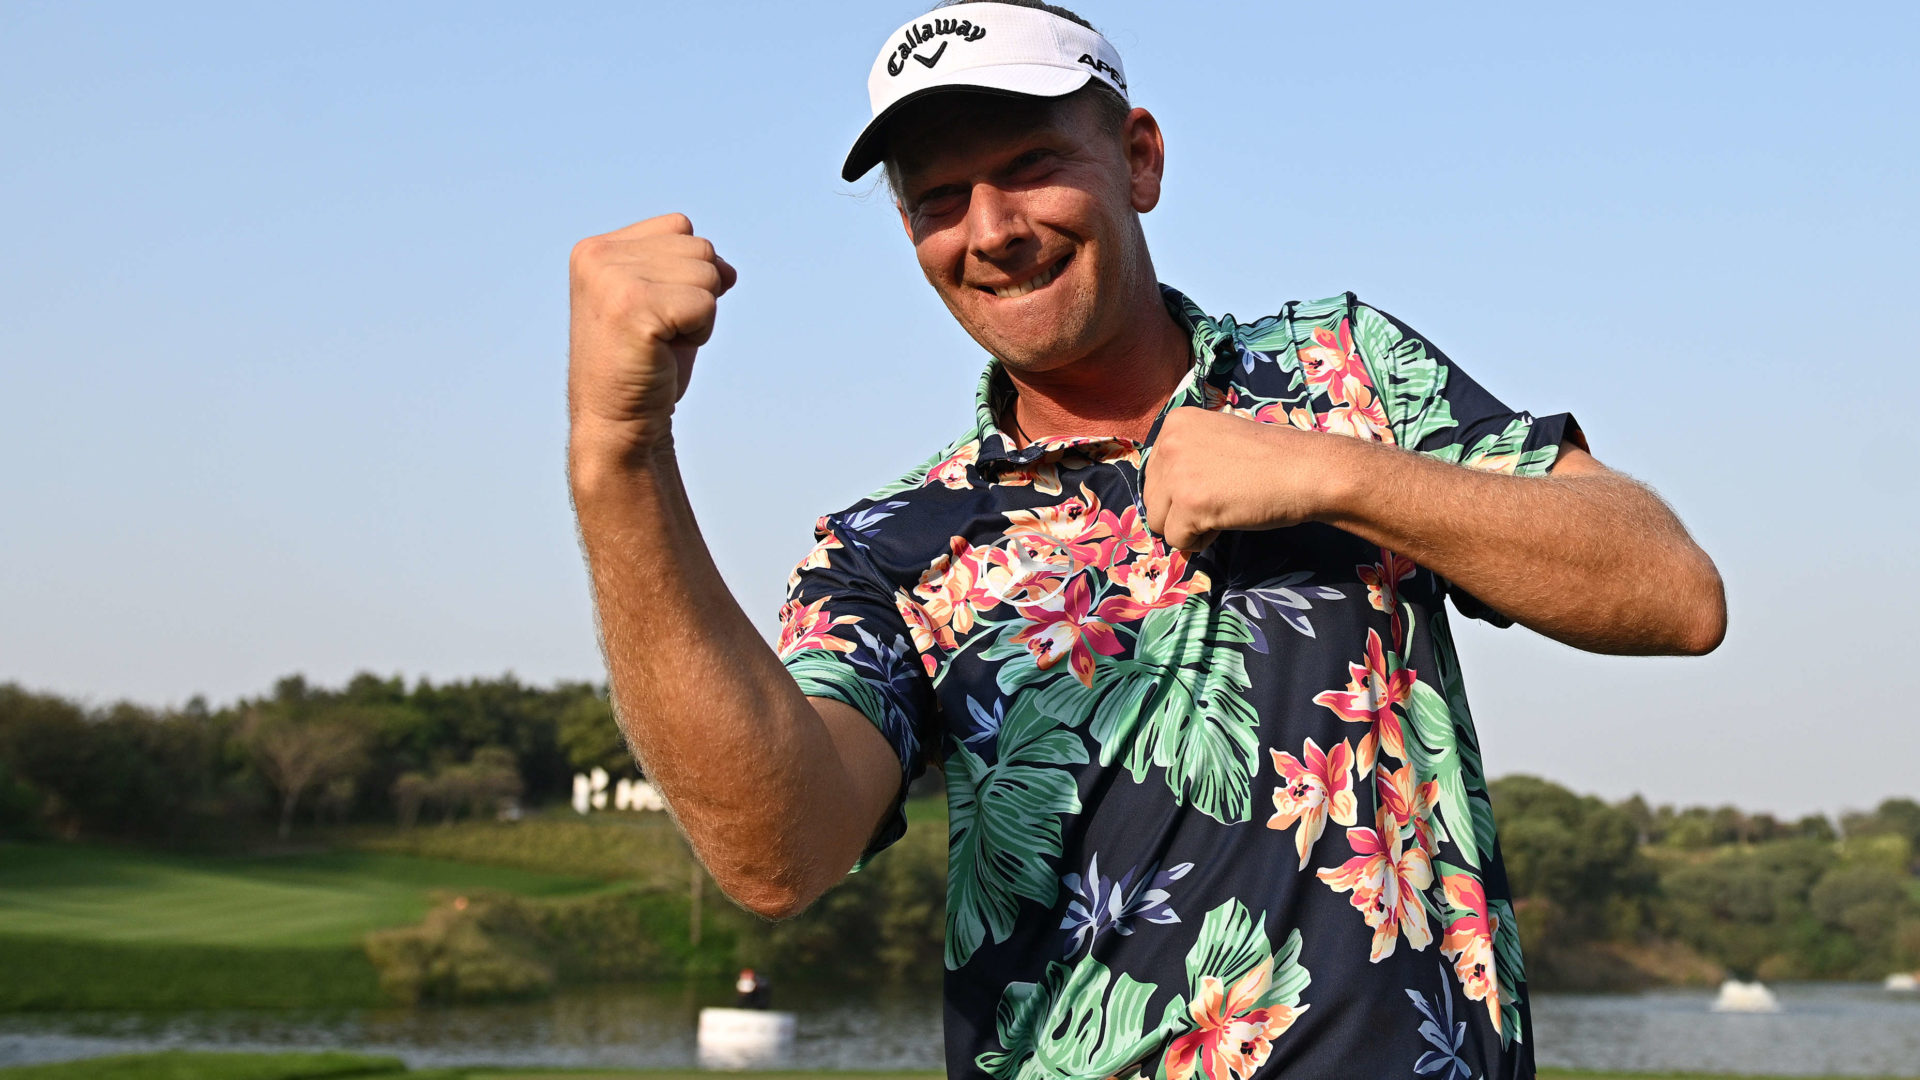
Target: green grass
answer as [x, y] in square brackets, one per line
[50, 973]
[927, 811]
[179, 1065]
[187, 1065]
[86, 927]
[98, 894]
[641, 848]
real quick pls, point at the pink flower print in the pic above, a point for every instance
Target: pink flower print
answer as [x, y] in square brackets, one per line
[1066, 627]
[810, 626]
[1386, 880]
[1231, 1036]
[1319, 786]
[1371, 694]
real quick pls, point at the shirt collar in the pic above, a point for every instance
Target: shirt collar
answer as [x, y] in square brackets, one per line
[1215, 348]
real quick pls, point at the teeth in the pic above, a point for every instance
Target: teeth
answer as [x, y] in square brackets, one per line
[1021, 290]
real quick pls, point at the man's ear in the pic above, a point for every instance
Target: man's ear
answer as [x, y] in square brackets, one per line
[1146, 151]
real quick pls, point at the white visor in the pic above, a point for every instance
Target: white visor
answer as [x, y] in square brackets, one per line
[995, 48]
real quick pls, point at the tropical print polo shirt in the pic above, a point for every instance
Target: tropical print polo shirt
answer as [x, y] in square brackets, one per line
[1219, 815]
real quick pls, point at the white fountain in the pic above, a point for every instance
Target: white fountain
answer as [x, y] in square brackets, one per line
[1745, 997]
[744, 1038]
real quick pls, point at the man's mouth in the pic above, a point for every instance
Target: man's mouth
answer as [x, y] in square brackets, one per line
[1013, 292]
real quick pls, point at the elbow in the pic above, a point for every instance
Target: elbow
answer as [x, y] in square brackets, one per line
[775, 908]
[1703, 624]
[774, 901]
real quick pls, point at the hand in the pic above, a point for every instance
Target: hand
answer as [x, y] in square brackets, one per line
[1209, 472]
[644, 299]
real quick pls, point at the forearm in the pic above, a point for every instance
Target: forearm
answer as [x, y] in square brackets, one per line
[756, 777]
[1594, 560]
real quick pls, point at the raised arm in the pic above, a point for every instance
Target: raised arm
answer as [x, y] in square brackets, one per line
[777, 792]
[1585, 555]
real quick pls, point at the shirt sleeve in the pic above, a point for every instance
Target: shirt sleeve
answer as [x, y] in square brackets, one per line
[1432, 406]
[842, 637]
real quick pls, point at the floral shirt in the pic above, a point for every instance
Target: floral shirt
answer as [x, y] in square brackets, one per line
[1215, 816]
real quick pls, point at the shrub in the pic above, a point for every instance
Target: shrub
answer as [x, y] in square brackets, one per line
[50, 973]
[497, 946]
[893, 909]
[646, 850]
[481, 950]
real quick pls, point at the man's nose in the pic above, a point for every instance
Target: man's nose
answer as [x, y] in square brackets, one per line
[996, 224]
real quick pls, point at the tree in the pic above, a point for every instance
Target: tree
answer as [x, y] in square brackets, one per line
[1869, 902]
[296, 755]
[1898, 818]
[591, 737]
[336, 799]
[19, 806]
[1573, 850]
[410, 791]
[494, 777]
[1816, 827]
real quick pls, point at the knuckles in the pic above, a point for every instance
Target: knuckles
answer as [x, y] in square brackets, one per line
[586, 255]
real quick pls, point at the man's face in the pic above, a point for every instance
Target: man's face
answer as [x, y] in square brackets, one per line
[1025, 219]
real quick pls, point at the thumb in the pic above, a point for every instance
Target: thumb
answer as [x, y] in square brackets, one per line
[728, 275]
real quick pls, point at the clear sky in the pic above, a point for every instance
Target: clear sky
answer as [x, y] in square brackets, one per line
[283, 311]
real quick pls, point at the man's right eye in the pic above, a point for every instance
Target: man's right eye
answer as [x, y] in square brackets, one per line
[939, 203]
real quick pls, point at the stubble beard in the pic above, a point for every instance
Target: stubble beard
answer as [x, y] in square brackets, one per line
[1035, 344]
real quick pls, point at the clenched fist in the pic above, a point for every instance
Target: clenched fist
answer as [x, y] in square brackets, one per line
[644, 299]
[1211, 472]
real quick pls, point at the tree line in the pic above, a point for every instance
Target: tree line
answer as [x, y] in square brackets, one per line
[1608, 894]
[373, 750]
[1614, 895]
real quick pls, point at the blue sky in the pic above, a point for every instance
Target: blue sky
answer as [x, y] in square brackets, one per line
[283, 310]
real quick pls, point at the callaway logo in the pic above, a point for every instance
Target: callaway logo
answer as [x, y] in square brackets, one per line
[1105, 68]
[917, 36]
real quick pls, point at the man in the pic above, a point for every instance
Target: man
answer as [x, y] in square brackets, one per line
[1171, 612]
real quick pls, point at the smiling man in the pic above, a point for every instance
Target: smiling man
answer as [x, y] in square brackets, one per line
[1172, 612]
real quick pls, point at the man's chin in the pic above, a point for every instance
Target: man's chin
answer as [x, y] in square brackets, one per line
[1035, 348]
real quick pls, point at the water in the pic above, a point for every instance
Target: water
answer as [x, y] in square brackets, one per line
[620, 1027]
[1841, 1029]
[1822, 1028]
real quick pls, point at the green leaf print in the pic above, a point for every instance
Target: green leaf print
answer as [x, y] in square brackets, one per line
[1233, 942]
[1512, 970]
[1463, 782]
[1272, 333]
[1506, 942]
[1080, 1022]
[1508, 443]
[824, 674]
[1277, 336]
[1204, 735]
[1408, 380]
[917, 476]
[1229, 945]
[1193, 722]
[1432, 747]
[1003, 831]
[1447, 666]
[1119, 710]
[1482, 822]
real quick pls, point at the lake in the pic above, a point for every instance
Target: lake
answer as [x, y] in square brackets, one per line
[1823, 1028]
